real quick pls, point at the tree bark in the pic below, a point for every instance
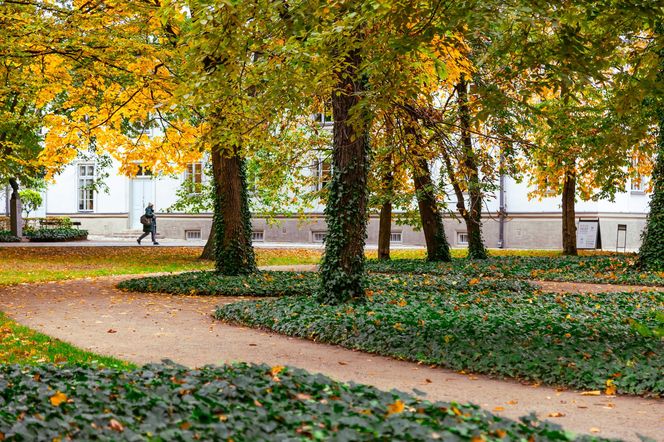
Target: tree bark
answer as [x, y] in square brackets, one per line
[208, 250]
[569, 214]
[472, 217]
[234, 253]
[438, 248]
[342, 267]
[384, 231]
[385, 222]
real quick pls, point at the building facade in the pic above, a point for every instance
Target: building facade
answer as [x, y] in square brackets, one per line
[526, 224]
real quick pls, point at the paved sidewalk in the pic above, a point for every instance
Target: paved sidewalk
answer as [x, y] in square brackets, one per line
[92, 314]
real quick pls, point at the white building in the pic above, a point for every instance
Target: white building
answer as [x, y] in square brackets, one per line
[528, 223]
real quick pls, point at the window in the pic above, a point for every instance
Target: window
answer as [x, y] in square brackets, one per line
[325, 118]
[193, 177]
[86, 180]
[257, 235]
[143, 172]
[322, 170]
[637, 184]
[318, 236]
[192, 234]
[462, 238]
[395, 237]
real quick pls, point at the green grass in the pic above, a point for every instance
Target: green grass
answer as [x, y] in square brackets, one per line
[21, 345]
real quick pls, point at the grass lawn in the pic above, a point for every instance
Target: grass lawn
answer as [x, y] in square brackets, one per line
[21, 345]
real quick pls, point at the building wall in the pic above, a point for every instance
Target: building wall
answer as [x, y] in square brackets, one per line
[530, 223]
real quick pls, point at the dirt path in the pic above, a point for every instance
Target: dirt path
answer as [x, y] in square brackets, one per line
[92, 314]
[586, 287]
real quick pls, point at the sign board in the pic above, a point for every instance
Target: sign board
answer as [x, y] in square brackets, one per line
[588, 235]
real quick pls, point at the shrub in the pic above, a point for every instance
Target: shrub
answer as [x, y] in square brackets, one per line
[57, 234]
[210, 283]
[616, 269]
[7, 236]
[499, 328]
[239, 402]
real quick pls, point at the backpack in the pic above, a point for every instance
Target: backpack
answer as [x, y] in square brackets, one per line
[145, 220]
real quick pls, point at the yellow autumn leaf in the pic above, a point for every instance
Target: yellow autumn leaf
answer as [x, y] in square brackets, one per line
[396, 407]
[276, 370]
[474, 281]
[610, 387]
[58, 398]
[591, 393]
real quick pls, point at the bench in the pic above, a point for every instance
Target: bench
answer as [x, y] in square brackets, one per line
[55, 223]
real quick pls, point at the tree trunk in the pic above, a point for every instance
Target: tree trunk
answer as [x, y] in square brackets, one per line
[384, 231]
[473, 217]
[234, 254]
[569, 214]
[438, 248]
[15, 210]
[385, 223]
[208, 250]
[651, 253]
[342, 267]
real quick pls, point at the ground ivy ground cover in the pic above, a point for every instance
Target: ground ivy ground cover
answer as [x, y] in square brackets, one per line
[502, 328]
[241, 402]
[614, 269]
[210, 283]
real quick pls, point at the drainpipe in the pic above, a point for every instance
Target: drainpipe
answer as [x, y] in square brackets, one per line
[501, 208]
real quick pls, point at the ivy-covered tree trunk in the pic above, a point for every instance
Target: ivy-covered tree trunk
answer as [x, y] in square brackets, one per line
[473, 217]
[342, 266]
[234, 254]
[569, 213]
[438, 248]
[651, 253]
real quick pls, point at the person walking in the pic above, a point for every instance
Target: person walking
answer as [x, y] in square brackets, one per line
[149, 221]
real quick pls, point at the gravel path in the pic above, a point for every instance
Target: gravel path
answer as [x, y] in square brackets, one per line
[92, 314]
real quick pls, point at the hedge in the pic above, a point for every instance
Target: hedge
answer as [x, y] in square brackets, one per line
[615, 269]
[210, 283]
[238, 402]
[57, 234]
[8, 236]
[504, 329]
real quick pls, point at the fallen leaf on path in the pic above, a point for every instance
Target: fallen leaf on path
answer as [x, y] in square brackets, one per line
[556, 414]
[591, 393]
[110, 330]
[499, 409]
[594, 430]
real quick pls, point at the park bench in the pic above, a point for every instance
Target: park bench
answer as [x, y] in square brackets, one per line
[55, 223]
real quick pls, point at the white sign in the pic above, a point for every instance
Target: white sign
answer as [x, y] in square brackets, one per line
[586, 234]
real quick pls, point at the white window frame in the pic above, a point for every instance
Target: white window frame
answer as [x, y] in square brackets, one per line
[188, 174]
[321, 167]
[257, 235]
[459, 238]
[316, 236]
[637, 184]
[396, 237]
[85, 196]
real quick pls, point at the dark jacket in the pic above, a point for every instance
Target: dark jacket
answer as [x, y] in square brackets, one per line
[149, 214]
